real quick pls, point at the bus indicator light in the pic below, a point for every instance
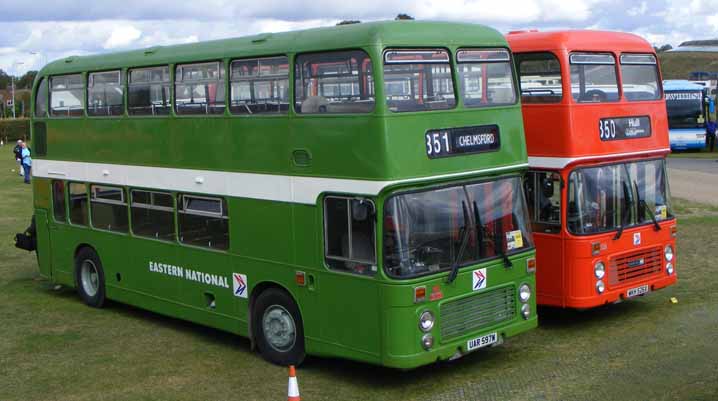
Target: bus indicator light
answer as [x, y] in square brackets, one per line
[595, 248]
[436, 293]
[674, 231]
[419, 294]
[300, 278]
[531, 265]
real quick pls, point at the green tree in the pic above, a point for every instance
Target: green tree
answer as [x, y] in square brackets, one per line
[25, 81]
[403, 16]
[348, 22]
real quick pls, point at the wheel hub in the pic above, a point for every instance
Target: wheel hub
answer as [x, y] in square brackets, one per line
[90, 279]
[279, 328]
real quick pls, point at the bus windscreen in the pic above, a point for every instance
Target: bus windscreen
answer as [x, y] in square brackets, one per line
[685, 109]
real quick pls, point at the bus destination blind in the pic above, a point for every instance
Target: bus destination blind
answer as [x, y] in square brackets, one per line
[618, 128]
[461, 141]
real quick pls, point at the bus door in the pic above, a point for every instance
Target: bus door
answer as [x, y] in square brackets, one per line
[544, 192]
[349, 296]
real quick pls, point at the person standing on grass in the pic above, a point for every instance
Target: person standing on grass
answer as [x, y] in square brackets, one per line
[26, 162]
[17, 150]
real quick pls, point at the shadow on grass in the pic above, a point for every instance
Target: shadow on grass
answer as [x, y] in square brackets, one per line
[553, 318]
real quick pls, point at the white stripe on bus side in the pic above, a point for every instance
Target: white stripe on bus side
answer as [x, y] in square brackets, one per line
[561, 162]
[283, 188]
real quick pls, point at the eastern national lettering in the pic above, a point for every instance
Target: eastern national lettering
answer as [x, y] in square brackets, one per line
[189, 274]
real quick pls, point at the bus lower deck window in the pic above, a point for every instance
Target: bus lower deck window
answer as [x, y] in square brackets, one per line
[58, 201]
[153, 215]
[78, 204]
[109, 208]
[203, 221]
[543, 194]
[349, 235]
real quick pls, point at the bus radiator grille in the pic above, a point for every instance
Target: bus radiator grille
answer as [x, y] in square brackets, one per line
[635, 265]
[485, 309]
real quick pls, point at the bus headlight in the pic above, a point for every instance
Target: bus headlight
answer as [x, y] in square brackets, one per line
[524, 293]
[668, 253]
[426, 321]
[600, 287]
[526, 311]
[427, 341]
[599, 269]
[669, 268]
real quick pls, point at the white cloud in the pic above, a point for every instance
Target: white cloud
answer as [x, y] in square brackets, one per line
[57, 28]
[122, 36]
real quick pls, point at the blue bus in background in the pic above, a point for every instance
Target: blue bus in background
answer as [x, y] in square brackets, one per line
[688, 106]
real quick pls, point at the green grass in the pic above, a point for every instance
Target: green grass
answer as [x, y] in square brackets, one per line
[679, 65]
[52, 347]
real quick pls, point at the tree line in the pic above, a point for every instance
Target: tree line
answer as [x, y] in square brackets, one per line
[22, 82]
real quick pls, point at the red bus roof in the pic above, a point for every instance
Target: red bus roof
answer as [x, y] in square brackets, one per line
[569, 132]
[577, 40]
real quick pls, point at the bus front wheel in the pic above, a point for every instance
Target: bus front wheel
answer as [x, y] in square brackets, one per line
[90, 278]
[278, 328]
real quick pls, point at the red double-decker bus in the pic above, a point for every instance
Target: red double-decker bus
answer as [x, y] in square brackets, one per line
[597, 136]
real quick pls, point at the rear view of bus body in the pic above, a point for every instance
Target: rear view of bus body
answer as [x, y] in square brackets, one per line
[597, 137]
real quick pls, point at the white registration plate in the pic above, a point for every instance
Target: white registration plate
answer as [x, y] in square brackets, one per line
[634, 292]
[482, 341]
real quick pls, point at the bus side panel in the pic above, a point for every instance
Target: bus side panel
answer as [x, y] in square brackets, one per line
[44, 250]
[549, 269]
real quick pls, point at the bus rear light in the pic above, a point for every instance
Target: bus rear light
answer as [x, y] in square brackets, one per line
[419, 294]
[531, 265]
[300, 278]
[595, 248]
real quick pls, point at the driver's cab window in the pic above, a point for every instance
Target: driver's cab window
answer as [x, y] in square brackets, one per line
[349, 235]
[593, 77]
[543, 192]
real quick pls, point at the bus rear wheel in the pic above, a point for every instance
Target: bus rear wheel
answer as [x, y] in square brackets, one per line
[90, 278]
[278, 328]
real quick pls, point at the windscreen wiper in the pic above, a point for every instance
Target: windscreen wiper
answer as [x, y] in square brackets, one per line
[499, 245]
[624, 219]
[462, 248]
[642, 204]
[479, 231]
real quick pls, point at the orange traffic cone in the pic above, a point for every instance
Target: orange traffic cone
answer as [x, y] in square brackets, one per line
[293, 387]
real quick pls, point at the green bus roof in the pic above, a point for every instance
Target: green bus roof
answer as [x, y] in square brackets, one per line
[385, 33]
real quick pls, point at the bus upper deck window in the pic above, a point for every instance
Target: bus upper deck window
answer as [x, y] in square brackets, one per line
[539, 77]
[486, 77]
[639, 77]
[418, 80]
[334, 82]
[105, 94]
[259, 86]
[41, 99]
[593, 77]
[67, 95]
[199, 88]
[149, 91]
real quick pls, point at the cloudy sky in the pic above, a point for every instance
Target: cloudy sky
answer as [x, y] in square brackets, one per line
[36, 31]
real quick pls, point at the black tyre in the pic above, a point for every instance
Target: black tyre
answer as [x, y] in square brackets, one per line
[90, 278]
[278, 328]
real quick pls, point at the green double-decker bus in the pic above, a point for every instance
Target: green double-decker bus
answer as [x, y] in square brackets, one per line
[352, 191]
